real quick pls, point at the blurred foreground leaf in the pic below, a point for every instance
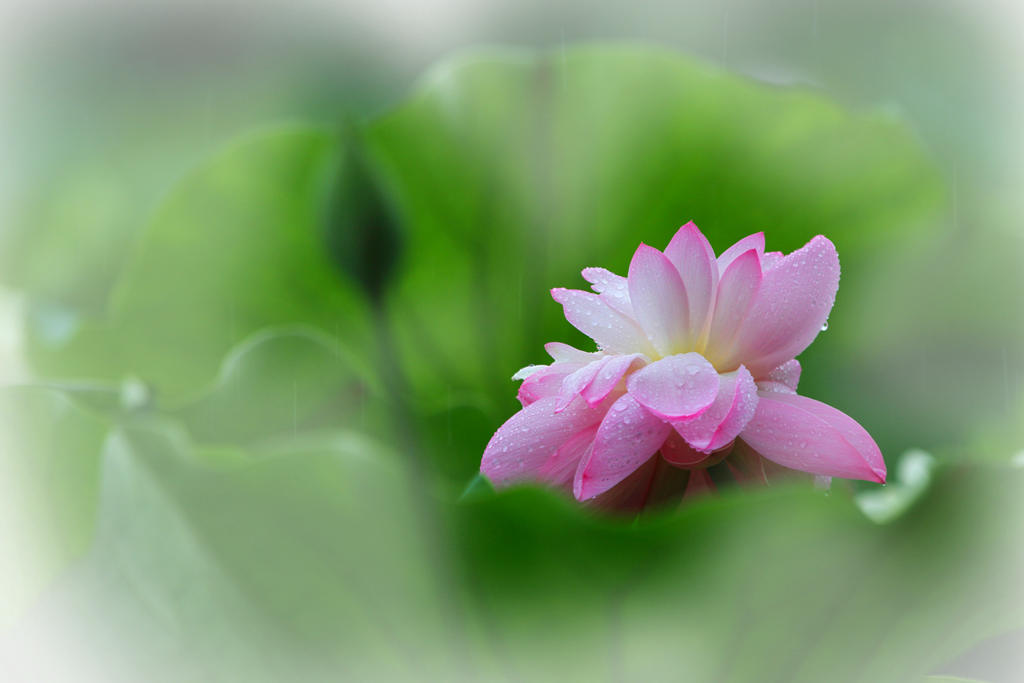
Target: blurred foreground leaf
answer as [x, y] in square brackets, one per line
[49, 460]
[226, 565]
[784, 585]
[314, 559]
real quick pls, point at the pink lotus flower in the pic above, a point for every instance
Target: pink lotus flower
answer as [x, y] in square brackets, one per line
[695, 368]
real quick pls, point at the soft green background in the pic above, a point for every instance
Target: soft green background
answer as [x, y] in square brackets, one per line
[264, 359]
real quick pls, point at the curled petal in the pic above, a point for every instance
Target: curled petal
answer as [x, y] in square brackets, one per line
[659, 299]
[792, 303]
[627, 438]
[612, 331]
[595, 380]
[614, 289]
[692, 255]
[578, 381]
[755, 242]
[608, 377]
[545, 382]
[737, 291]
[722, 422]
[521, 447]
[804, 434]
[680, 386]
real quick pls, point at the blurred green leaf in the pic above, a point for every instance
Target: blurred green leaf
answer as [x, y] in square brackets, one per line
[782, 585]
[65, 343]
[282, 381]
[69, 240]
[239, 245]
[316, 557]
[515, 170]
